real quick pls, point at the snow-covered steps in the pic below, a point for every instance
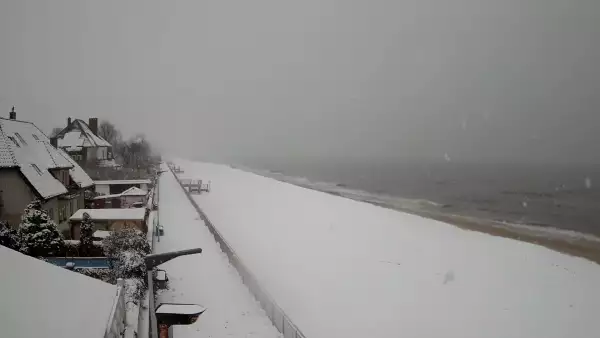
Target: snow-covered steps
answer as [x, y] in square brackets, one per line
[342, 268]
[208, 278]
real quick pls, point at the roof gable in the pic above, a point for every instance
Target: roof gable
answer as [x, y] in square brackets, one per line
[79, 135]
[26, 147]
[134, 191]
[78, 175]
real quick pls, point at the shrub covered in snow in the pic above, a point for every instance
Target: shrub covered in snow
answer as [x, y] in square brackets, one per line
[126, 250]
[8, 236]
[86, 240]
[134, 290]
[129, 264]
[38, 233]
[125, 240]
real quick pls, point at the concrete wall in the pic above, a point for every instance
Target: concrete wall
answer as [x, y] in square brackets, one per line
[103, 189]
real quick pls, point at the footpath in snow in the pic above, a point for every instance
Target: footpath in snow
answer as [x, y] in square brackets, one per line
[205, 279]
[342, 268]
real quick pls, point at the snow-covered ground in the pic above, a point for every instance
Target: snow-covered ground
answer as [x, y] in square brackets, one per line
[343, 268]
[206, 279]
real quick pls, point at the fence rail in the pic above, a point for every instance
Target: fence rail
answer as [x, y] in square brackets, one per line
[116, 321]
[278, 317]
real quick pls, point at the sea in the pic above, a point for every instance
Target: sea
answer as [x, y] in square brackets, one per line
[557, 196]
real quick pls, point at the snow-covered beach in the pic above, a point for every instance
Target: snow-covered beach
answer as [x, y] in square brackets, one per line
[340, 267]
[206, 279]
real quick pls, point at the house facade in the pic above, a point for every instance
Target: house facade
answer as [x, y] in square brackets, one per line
[30, 168]
[81, 141]
[112, 187]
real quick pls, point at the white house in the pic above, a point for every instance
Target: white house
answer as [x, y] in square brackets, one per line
[81, 140]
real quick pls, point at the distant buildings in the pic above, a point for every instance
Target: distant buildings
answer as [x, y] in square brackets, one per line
[111, 187]
[30, 167]
[81, 141]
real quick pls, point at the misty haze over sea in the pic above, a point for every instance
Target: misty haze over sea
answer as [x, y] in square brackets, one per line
[563, 196]
[336, 88]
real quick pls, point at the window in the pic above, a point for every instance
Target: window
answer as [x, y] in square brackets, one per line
[50, 213]
[14, 141]
[62, 213]
[20, 138]
[35, 137]
[37, 169]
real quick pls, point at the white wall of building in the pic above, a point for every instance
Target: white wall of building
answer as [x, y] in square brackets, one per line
[103, 189]
[102, 153]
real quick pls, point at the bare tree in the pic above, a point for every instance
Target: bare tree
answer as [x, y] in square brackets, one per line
[55, 131]
[109, 132]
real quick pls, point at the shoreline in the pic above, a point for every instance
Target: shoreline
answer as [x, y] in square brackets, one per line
[565, 241]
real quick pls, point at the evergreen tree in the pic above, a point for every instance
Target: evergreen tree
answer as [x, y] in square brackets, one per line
[38, 233]
[8, 236]
[86, 244]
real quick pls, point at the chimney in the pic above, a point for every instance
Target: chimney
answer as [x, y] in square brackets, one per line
[13, 114]
[68, 121]
[54, 141]
[93, 123]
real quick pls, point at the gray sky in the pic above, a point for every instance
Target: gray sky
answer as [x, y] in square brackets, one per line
[228, 80]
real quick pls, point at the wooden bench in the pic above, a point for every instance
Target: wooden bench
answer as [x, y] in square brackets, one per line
[193, 186]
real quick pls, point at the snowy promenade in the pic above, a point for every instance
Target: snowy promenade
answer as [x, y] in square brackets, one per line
[342, 268]
[205, 279]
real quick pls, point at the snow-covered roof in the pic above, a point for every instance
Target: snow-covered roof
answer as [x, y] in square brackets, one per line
[24, 146]
[115, 182]
[134, 191]
[101, 233]
[78, 175]
[43, 300]
[81, 136]
[135, 214]
[104, 197]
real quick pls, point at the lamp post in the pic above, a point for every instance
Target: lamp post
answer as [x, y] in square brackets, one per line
[153, 261]
[169, 314]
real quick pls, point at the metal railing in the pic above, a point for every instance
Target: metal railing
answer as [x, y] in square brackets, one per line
[116, 321]
[152, 324]
[278, 317]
